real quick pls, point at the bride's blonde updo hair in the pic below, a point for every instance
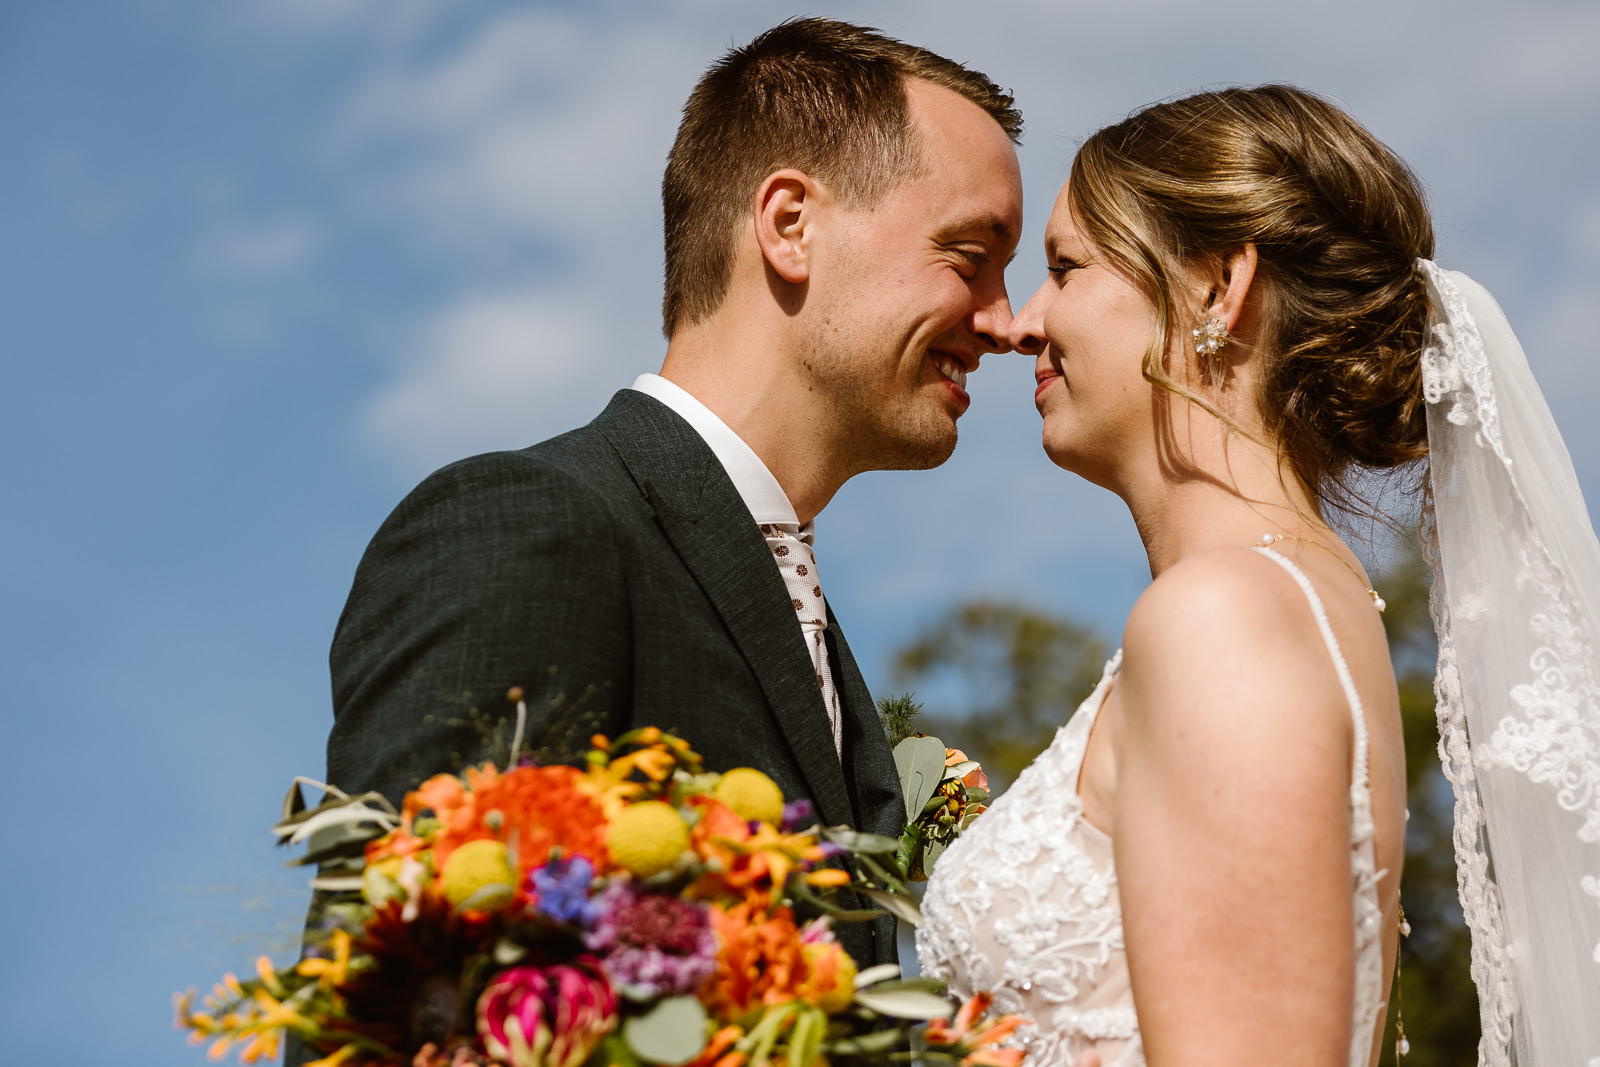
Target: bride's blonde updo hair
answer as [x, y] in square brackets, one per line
[1338, 222]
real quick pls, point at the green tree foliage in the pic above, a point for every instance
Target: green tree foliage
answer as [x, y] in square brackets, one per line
[1014, 675]
[1000, 679]
[1436, 997]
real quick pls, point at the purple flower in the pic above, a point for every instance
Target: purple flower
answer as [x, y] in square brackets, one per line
[798, 814]
[562, 891]
[653, 944]
[547, 1017]
[832, 850]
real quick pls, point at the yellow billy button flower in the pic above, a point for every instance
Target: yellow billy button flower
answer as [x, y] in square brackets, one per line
[647, 838]
[473, 866]
[752, 794]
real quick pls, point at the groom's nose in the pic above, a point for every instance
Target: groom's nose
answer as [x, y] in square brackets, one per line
[991, 323]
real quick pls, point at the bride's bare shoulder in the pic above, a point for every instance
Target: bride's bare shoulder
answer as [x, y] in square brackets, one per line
[1226, 633]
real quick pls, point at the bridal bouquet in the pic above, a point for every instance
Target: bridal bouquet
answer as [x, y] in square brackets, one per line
[635, 911]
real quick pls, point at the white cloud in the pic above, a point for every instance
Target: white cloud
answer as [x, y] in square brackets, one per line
[541, 123]
[495, 371]
[539, 134]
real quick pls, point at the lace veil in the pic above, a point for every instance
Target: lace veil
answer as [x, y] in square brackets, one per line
[1516, 604]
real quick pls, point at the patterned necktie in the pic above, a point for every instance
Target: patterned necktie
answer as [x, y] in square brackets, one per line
[791, 547]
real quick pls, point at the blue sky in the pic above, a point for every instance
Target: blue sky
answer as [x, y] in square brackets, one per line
[264, 264]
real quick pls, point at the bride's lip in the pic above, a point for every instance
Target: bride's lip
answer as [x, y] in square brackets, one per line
[1044, 377]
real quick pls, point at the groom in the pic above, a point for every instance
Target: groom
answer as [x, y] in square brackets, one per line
[840, 208]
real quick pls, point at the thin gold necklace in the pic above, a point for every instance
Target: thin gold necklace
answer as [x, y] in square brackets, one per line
[1267, 540]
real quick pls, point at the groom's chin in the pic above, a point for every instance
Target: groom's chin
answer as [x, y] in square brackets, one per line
[922, 453]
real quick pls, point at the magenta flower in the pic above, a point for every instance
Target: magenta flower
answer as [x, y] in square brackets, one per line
[547, 1016]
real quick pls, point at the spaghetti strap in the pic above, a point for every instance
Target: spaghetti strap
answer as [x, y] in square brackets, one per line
[1357, 713]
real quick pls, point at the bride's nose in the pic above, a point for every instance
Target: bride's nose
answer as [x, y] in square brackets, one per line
[1027, 327]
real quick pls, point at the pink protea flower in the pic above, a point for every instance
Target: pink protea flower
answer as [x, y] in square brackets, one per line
[547, 1016]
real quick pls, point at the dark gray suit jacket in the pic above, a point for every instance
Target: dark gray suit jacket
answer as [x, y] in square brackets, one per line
[616, 575]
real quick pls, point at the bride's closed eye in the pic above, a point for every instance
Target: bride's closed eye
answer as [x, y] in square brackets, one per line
[1061, 268]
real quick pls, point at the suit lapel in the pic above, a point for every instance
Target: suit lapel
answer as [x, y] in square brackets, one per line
[879, 805]
[710, 528]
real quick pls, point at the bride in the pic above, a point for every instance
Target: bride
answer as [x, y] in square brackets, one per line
[1241, 318]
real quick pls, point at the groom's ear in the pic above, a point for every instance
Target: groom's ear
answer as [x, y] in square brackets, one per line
[786, 206]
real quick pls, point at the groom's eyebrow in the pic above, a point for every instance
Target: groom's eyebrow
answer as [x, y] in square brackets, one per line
[981, 221]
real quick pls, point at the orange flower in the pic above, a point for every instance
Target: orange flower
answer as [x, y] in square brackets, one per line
[760, 961]
[749, 861]
[719, 1044]
[538, 808]
[979, 1036]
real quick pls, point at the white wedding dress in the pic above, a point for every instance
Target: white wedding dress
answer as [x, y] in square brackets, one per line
[1024, 905]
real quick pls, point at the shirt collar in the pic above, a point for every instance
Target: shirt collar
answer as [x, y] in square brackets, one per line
[762, 494]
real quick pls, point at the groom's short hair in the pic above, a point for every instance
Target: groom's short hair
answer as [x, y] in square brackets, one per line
[820, 96]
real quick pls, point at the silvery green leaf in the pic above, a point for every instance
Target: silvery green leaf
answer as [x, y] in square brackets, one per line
[343, 814]
[895, 905]
[960, 770]
[294, 802]
[931, 853]
[906, 1004]
[508, 953]
[672, 1032]
[488, 898]
[378, 887]
[920, 762]
[883, 972]
[348, 884]
[335, 842]
[806, 1035]
[856, 841]
[866, 1044]
[925, 982]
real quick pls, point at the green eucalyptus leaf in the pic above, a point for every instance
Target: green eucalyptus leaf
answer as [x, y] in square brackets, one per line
[341, 884]
[856, 841]
[807, 1034]
[925, 983]
[615, 1052]
[930, 855]
[507, 953]
[294, 802]
[344, 841]
[672, 1032]
[900, 907]
[910, 842]
[488, 898]
[865, 1044]
[883, 972]
[920, 763]
[906, 1004]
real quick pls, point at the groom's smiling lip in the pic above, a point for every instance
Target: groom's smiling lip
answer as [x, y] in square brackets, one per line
[953, 368]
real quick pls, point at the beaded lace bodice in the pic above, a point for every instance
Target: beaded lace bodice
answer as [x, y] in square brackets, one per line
[1024, 905]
